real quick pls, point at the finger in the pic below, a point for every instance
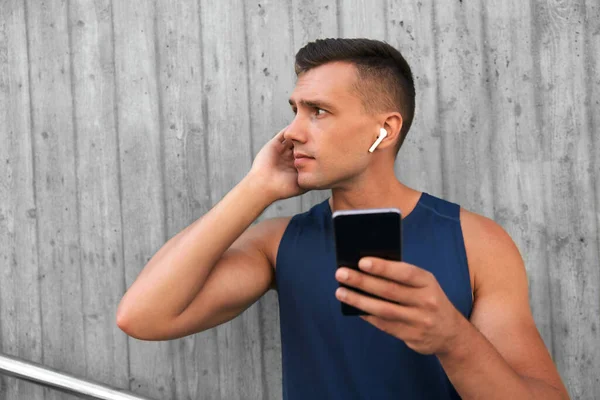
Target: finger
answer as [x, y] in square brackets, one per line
[377, 322]
[279, 136]
[382, 324]
[287, 144]
[380, 308]
[397, 271]
[284, 145]
[399, 329]
[385, 288]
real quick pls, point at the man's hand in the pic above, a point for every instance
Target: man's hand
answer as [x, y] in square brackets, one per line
[415, 310]
[273, 168]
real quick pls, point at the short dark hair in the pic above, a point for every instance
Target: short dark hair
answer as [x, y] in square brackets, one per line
[381, 70]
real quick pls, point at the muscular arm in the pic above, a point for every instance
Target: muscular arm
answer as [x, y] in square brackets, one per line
[240, 278]
[500, 354]
[208, 273]
[216, 267]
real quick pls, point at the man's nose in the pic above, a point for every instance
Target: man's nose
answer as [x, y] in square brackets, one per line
[296, 131]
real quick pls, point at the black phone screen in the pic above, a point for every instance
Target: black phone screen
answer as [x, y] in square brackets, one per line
[361, 233]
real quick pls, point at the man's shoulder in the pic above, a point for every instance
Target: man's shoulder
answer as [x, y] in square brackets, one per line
[483, 231]
[491, 252]
[269, 233]
[271, 229]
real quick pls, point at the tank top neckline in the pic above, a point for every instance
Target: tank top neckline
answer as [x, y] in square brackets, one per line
[422, 197]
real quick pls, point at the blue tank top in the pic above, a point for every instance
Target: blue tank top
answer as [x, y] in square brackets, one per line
[326, 355]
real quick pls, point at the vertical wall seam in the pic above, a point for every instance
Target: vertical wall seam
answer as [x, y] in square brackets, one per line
[33, 176]
[491, 103]
[77, 194]
[535, 51]
[438, 118]
[590, 74]
[119, 175]
[247, 71]
[204, 106]
[206, 142]
[162, 165]
[386, 26]
[161, 134]
[339, 18]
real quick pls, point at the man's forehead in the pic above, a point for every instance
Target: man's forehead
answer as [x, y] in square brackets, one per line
[331, 81]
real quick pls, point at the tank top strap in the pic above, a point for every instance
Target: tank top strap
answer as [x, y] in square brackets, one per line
[441, 207]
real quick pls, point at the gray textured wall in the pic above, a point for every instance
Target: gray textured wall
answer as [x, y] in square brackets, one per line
[123, 121]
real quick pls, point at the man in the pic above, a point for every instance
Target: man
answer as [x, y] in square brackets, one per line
[454, 319]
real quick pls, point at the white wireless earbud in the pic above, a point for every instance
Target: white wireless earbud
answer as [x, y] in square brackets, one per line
[382, 135]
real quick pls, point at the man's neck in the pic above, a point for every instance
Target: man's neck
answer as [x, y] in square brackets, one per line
[376, 194]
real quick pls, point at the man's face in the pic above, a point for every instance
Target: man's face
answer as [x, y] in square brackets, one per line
[330, 126]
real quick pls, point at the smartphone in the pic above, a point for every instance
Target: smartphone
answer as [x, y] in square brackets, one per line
[373, 232]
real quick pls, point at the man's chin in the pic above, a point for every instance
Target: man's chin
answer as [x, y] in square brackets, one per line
[308, 182]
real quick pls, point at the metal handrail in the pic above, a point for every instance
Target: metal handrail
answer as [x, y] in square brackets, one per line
[51, 378]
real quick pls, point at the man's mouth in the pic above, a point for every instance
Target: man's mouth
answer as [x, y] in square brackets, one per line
[300, 155]
[301, 159]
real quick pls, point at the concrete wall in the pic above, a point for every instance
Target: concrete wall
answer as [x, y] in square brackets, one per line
[121, 122]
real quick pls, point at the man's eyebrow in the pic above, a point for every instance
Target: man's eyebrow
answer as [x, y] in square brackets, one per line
[313, 103]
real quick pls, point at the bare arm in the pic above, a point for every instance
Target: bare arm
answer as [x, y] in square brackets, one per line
[500, 353]
[242, 275]
[216, 267]
[156, 306]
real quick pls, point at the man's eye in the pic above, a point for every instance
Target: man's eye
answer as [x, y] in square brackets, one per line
[320, 111]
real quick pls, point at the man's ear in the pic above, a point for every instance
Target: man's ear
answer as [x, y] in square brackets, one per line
[393, 126]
